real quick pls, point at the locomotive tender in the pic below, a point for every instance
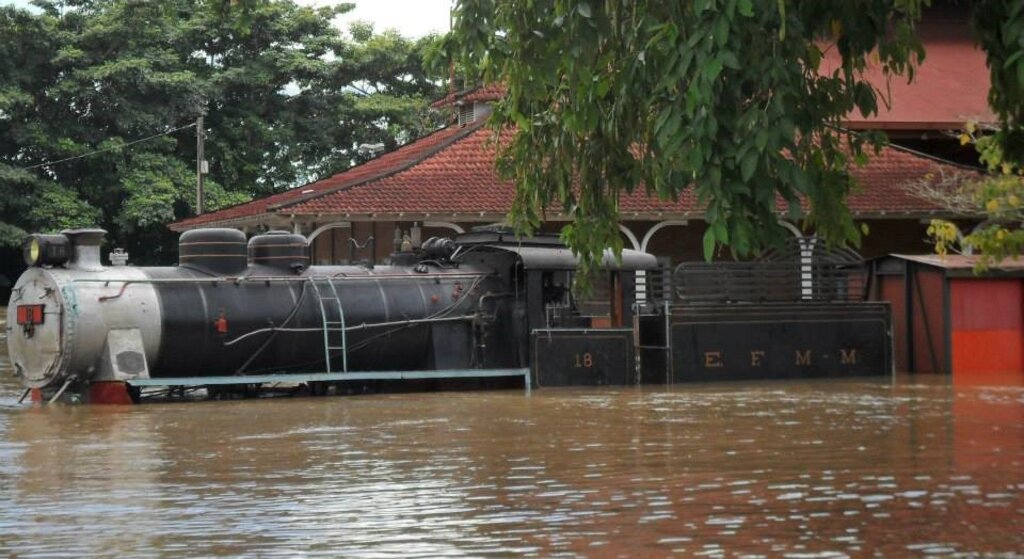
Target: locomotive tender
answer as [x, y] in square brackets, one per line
[245, 313]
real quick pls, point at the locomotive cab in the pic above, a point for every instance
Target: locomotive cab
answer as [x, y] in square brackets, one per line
[568, 338]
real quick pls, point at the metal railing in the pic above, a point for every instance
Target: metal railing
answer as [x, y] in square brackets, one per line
[771, 281]
[805, 270]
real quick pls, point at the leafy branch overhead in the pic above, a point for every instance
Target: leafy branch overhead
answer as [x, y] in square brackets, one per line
[727, 97]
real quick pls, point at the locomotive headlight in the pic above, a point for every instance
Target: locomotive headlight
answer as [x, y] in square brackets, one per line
[51, 250]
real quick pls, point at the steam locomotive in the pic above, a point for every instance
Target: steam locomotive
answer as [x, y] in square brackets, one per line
[235, 310]
[486, 307]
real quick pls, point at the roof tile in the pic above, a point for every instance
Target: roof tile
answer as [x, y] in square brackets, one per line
[383, 165]
[482, 94]
[452, 171]
[462, 179]
[950, 85]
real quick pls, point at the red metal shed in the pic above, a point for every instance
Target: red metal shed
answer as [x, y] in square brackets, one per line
[947, 319]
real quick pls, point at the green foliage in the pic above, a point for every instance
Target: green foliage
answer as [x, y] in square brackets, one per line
[998, 197]
[61, 208]
[999, 27]
[287, 97]
[722, 96]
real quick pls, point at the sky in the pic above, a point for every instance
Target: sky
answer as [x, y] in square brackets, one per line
[412, 18]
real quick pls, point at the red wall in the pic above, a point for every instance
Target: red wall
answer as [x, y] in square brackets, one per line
[891, 288]
[988, 326]
[929, 330]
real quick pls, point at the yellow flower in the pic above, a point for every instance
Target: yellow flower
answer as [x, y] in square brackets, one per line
[965, 139]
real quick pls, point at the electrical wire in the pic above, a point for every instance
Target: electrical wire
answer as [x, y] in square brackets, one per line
[439, 314]
[370, 339]
[295, 309]
[112, 148]
[363, 326]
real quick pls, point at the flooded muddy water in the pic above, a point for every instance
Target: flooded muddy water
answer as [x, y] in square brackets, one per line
[803, 469]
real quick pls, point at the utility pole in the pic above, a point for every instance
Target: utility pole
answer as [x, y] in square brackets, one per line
[200, 165]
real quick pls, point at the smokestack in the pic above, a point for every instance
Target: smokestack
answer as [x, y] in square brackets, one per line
[85, 248]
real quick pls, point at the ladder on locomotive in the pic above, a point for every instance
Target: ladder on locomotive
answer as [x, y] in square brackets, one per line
[330, 303]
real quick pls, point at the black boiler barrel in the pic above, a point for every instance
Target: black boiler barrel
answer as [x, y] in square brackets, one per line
[213, 326]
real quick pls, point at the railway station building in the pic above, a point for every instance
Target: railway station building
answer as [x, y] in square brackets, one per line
[445, 183]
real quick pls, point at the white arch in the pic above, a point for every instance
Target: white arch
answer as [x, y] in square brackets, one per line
[630, 235]
[322, 228]
[444, 224]
[658, 227]
[792, 229]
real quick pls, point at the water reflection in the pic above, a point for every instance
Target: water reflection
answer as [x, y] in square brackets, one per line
[823, 468]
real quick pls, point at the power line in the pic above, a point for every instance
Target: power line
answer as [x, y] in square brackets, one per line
[112, 148]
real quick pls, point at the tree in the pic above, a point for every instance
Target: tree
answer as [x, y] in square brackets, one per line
[287, 97]
[722, 96]
[999, 27]
[996, 198]
[25, 54]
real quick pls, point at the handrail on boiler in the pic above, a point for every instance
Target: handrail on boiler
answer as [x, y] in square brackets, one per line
[256, 279]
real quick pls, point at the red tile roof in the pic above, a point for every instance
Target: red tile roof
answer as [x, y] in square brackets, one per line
[376, 168]
[452, 172]
[482, 94]
[950, 85]
[462, 179]
[883, 183]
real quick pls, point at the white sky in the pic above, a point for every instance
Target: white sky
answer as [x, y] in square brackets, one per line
[412, 18]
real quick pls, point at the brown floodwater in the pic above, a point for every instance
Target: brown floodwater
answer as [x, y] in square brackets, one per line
[803, 469]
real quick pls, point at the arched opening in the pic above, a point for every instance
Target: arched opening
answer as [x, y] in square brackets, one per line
[336, 225]
[630, 236]
[658, 227]
[327, 243]
[445, 225]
